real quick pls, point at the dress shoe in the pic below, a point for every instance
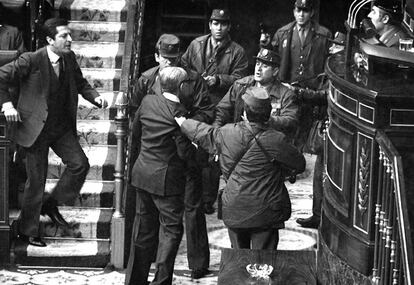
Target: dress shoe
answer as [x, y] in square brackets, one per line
[208, 209]
[311, 222]
[56, 217]
[199, 273]
[35, 241]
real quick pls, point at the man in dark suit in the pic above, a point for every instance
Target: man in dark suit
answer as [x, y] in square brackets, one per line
[167, 53]
[159, 176]
[45, 116]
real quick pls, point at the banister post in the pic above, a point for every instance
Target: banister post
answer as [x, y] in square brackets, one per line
[4, 194]
[118, 217]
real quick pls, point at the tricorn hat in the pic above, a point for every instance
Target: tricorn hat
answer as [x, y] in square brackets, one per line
[168, 45]
[220, 15]
[391, 6]
[304, 4]
[268, 56]
[257, 99]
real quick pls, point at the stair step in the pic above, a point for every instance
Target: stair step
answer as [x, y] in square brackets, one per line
[98, 55]
[87, 223]
[93, 193]
[103, 78]
[88, 111]
[98, 31]
[101, 159]
[64, 253]
[96, 132]
[93, 10]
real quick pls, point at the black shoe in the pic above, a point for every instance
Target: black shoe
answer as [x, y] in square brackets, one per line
[208, 209]
[311, 222]
[56, 217]
[199, 273]
[35, 241]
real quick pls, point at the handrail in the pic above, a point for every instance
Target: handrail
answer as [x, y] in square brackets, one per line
[4, 194]
[393, 252]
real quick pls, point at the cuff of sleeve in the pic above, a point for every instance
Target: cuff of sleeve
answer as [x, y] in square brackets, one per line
[7, 106]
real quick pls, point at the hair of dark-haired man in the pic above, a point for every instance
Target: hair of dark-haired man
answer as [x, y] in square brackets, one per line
[49, 27]
[257, 116]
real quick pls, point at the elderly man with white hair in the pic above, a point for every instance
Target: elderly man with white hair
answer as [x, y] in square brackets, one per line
[159, 176]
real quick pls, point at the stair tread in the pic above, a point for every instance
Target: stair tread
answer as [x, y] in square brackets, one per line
[82, 215]
[97, 26]
[110, 97]
[101, 126]
[101, 49]
[67, 248]
[102, 73]
[98, 155]
[108, 5]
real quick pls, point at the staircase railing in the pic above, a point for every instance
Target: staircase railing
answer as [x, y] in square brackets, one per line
[130, 66]
[393, 253]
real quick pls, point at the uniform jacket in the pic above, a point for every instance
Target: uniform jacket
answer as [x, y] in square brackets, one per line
[255, 195]
[159, 169]
[229, 64]
[200, 106]
[392, 37]
[32, 70]
[11, 38]
[285, 110]
[312, 56]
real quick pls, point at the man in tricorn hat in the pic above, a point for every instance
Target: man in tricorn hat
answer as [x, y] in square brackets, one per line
[253, 160]
[220, 61]
[284, 113]
[385, 15]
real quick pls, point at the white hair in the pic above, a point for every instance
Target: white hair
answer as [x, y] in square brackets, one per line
[171, 77]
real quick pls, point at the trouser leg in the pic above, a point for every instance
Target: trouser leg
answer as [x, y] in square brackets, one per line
[265, 239]
[317, 187]
[143, 240]
[77, 166]
[36, 169]
[198, 252]
[171, 210]
[239, 238]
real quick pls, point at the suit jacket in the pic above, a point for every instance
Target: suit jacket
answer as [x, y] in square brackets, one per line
[31, 71]
[228, 64]
[159, 169]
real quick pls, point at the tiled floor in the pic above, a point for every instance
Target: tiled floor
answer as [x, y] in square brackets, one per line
[291, 238]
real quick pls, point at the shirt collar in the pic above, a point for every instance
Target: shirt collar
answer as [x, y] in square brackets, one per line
[53, 57]
[171, 97]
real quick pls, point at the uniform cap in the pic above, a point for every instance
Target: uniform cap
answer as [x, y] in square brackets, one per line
[257, 99]
[220, 15]
[268, 56]
[168, 45]
[304, 4]
[390, 6]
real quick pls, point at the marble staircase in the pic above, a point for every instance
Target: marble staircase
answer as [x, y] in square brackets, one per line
[98, 32]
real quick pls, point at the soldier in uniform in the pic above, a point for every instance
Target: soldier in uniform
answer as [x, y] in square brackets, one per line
[167, 53]
[284, 115]
[385, 17]
[304, 46]
[220, 61]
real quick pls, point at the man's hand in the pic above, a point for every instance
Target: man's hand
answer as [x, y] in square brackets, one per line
[180, 120]
[11, 114]
[210, 80]
[101, 101]
[264, 39]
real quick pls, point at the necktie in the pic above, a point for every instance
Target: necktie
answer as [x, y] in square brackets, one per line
[61, 72]
[56, 68]
[302, 35]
